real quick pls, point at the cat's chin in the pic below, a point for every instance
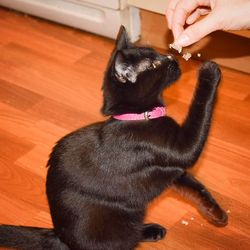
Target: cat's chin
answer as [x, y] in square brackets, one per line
[173, 73]
[174, 69]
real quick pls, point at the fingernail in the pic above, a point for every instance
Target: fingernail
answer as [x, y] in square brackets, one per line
[182, 40]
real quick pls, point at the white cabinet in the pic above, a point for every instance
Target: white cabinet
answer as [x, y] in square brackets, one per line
[97, 16]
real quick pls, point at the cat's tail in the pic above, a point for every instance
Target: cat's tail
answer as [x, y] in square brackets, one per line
[29, 238]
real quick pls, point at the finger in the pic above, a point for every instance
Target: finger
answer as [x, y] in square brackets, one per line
[182, 10]
[196, 14]
[198, 30]
[170, 10]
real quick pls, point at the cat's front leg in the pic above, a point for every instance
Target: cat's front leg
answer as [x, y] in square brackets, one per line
[193, 133]
[193, 190]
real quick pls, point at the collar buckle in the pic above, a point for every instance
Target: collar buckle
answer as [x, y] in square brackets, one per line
[146, 115]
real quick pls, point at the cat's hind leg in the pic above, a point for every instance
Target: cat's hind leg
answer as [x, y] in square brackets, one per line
[153, 232]
[195, 191]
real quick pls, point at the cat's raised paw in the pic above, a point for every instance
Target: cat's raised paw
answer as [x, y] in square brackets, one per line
[210, 73]
[153, 232]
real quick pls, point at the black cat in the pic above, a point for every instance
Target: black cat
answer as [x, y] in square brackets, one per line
[102, 177]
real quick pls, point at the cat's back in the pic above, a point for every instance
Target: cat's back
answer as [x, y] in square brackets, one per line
[112, 145]
[129, 145]
[76, 146]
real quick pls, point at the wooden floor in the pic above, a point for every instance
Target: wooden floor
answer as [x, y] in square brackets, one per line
[50, 84]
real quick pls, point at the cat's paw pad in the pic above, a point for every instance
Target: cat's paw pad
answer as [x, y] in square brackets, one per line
[153, 232]
[216, 216]
[210, 72]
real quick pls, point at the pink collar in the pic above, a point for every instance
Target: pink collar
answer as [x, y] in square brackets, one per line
[148, 115]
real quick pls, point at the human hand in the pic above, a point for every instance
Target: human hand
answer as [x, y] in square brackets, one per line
[221, 15]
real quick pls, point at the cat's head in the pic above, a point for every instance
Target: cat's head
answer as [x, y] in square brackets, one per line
[135, 77]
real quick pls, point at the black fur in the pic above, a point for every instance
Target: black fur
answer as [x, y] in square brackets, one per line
[102, 177]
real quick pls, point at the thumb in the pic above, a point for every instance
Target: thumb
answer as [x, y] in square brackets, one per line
[198, 30]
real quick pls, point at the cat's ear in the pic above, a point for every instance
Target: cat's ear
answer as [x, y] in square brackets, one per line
[122, 40]
[122, 71]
